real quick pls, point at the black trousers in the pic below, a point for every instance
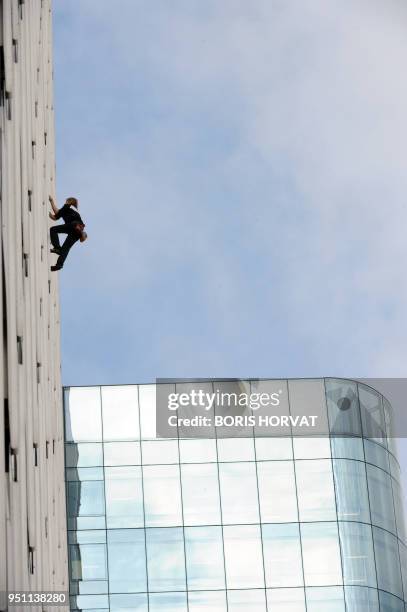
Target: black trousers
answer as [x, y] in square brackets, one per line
[72, 237]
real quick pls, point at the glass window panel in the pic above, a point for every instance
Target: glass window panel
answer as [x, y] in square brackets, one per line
[351, 490]
[286, 600]
[90, 602]
[136, 603]
[320, 547]
[147, 400]
[127, 561]
[197, 451]
[403, 561]
[191, 410]
[347, 448]
[361, 599]
[273, 449]
[160, 451]
[395, 468]
[372, 414]
[316, 495]
[200, 494]
[388, 603]
[236, 449]
[85, 498]
[380, 493]
[87, 522]
[343, 407]
[307, 397]
[120, 413]
[226, 404]
[278, 500]
[173, 602]
[312, 448]
[207, 601]
[83, 455]
[88, 561]
[399, 510]
[243, 556]
[122, 453]
[124, 497]
[165, 558]
[389, 419]
[270, 387]
[239, 493]
[282, 555]
[241, 601]
[357, 554]
[162, 495]
[83, 421]
[387, 562]
[94, 536]
[329, 599]
[89, 587]
[204, 553]
[377, 455]
[91, 473]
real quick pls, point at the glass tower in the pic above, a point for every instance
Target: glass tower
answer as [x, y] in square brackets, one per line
[239, 524]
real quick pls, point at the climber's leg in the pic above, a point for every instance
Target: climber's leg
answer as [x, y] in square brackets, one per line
[70, 240]
[53, 234]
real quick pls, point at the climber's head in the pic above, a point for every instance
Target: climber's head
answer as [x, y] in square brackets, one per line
[72, 202]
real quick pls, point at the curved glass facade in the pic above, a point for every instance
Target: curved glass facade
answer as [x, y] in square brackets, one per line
[248, 524]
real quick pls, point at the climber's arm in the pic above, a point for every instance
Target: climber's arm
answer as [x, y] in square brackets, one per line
[55, 210]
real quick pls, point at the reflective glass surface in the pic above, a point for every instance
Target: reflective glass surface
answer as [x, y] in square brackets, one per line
[245, 570]
[352, 497]
[204, 555]
[316, 495]
[320, 548]
[124, 500]
[286, 600]
[127, 566]
[357, 554]
[277, 493]
[282, 555]
[263, 524]
[165, 559]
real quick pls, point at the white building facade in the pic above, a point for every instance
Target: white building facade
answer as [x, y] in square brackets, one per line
[32, 497]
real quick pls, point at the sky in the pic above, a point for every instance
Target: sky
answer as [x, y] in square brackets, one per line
[240, 168]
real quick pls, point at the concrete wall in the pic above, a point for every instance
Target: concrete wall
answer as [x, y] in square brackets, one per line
[32, 494]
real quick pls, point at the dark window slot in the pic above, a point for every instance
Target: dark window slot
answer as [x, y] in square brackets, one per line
[33, 149]
[46, 449]
[38, 372]
[53, 447]
[35, 448]
[6, 435]
[14, 464]
[31, 559]
[15, 50]
[45, 138]
[8, 105]
[20, 349]
[30, 193]
[25, 263]
[2, 75]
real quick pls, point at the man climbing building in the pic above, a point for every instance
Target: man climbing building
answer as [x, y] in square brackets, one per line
[73, 226]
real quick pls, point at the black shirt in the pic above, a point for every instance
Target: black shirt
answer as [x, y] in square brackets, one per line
[69, 214]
